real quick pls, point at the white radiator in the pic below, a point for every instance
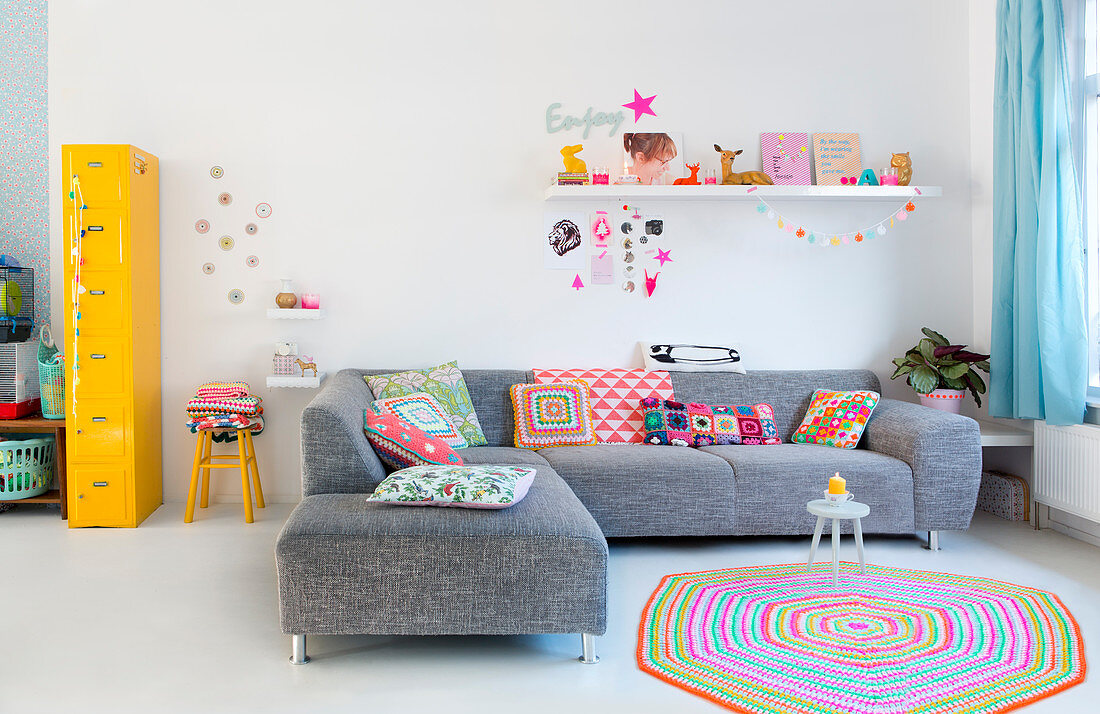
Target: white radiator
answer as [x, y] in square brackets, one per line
[1067, 469]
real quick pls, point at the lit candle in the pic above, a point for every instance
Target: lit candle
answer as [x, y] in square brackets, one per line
[836, 484]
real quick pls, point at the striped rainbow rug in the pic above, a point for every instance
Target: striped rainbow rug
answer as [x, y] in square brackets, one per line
[779, 639]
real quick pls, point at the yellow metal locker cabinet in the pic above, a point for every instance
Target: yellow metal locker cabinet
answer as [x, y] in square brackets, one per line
[112, 333]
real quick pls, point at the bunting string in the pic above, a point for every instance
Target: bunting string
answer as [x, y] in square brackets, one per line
[832, 239]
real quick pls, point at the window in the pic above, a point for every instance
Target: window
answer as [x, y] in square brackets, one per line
[1090, 48]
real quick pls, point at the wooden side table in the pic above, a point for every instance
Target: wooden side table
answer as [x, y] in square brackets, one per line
[39, 425]
[846, 511]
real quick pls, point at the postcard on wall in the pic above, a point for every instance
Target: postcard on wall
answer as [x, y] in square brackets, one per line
[656, 158]
[836, 156]
[603, 269]
[786, 157]
[564, 246]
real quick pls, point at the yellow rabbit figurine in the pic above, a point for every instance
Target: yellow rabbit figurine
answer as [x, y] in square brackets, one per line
[573, 165]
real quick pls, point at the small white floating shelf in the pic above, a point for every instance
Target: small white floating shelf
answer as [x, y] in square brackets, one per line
[278, 313]
[275, 381]
[740, 193]
[1001, 434]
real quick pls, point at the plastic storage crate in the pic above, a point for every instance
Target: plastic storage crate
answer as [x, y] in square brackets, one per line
[26, 468]
[51, 376]
[19, 387]
[16, 303]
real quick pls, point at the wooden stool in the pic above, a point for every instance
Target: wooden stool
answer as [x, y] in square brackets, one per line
[205, 460]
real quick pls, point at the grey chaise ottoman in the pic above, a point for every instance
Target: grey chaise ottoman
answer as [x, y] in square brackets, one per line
[347, 566]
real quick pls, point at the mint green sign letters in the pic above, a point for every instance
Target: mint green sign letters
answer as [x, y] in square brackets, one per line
[556, 122]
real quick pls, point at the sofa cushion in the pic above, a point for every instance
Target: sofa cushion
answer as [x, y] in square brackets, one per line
[641, 490]
[836, 418]
[672, 423]
[553, 414]
[502, 455]
[788, 392]
[615, 393]
[490, 487]
[774, 485]
[446, 384]
[400, 444]
[347, 566]
[425, 413]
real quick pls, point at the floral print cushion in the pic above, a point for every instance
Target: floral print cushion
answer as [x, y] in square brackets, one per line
[672, 423]
[836, 418]
[446, 384]
[455, 486]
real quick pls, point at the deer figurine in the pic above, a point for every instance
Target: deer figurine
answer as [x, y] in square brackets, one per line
[744, 178]
[692, 180]
[307, 365]
[573, 164]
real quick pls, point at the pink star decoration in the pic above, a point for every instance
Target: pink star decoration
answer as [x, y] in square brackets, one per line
[662, 255]
[640, 105]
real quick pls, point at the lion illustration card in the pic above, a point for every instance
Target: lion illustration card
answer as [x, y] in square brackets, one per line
[564, 241]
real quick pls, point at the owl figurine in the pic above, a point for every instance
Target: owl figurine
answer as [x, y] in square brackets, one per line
[904, 166]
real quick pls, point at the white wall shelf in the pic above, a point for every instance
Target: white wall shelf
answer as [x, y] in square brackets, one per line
[740, 193]
[276, 381]
[995, 433]
[278, 313]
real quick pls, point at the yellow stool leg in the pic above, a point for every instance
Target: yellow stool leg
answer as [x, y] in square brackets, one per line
[189, 514]
[208, 440]
[245, 492]
[255, 469]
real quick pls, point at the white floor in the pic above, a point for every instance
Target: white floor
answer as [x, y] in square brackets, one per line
[175, 618]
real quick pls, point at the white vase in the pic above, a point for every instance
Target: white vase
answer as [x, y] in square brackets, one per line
[286, 298]
[946, 400]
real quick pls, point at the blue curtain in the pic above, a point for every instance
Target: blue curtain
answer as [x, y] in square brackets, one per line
[1039, 364]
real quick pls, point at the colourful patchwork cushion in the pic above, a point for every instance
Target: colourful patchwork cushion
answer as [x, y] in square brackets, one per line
[457, 486]
[614, 395]
[552, 415]
[671, 423]
[400, 444]
[422, 411]
[446, 384]
[836, 418]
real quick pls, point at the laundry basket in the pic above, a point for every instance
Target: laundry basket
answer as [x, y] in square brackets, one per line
[51, 376]
[26, 467]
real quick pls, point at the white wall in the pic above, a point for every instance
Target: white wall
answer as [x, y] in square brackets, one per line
[403, 149]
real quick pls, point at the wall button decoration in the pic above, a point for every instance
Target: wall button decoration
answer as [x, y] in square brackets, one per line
[226, 242]
[263, 210]
[252, 229]
[202, 226]
[236, 296]
[225, 198]
[627, 244]
[216, 172]
[252, 261]
[208, 268]
[628, 286]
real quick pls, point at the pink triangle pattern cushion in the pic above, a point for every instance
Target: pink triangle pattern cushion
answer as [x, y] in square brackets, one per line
[615, 395]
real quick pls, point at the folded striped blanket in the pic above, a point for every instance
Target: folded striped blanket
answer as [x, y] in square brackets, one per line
[222, 390]
[247, 405]
[226, 421]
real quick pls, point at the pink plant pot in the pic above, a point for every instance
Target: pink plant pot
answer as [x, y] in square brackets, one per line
[946, 400]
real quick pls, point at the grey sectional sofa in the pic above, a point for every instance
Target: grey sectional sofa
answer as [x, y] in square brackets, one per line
[349, 567]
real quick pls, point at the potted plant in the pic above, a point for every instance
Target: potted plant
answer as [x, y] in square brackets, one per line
[941, 372]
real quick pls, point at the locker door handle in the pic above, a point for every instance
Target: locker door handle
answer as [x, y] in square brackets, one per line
[95, 229]
[96, 355]
[99, 419]
[95, 164]
[99, 484]
[97, 292]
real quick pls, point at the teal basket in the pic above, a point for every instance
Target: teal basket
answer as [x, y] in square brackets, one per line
[26, 468]
[51, 376]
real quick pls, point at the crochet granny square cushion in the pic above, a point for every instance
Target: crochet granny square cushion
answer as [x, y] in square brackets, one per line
[552, 415]
[615, 394]
[401, 445]
[456, 486]
[836, 418]
[446, 384]
[672, 423]
[424, 412]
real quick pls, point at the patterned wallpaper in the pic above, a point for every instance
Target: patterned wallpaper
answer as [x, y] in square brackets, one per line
[24, 216]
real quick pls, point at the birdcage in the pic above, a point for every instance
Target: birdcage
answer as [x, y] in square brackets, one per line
[16, 303]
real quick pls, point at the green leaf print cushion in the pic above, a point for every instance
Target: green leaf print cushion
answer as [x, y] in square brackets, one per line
[446, 384]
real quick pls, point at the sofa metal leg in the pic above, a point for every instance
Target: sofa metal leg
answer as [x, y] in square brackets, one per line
[588, 649]
[933, 540]
[298, 649]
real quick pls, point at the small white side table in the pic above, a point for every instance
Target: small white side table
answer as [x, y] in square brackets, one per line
[845, 511]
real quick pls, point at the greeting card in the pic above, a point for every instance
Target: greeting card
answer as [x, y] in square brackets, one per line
[786, 157]
[836, 156]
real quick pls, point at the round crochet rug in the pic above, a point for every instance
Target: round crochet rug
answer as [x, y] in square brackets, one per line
[781, 639]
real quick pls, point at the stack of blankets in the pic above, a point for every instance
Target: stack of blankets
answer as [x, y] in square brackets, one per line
[225, 405]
